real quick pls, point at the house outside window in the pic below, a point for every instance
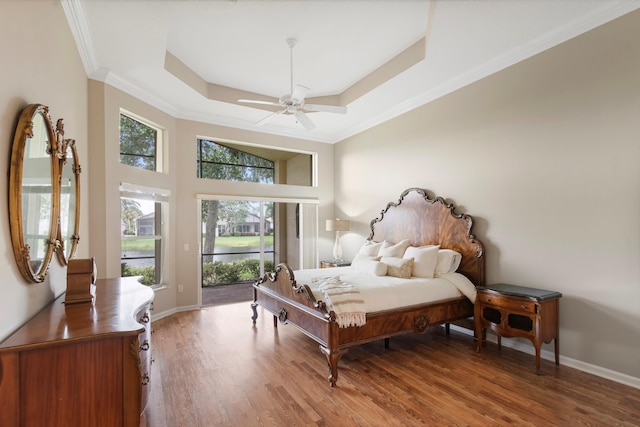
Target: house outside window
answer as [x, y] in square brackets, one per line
[143, 233]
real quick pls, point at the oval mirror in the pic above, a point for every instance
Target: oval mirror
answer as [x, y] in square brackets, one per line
[69, 224]
[32, 198]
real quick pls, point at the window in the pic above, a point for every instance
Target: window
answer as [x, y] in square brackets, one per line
[143, 238]
[139, 143]
[237, 241]
[216, 161]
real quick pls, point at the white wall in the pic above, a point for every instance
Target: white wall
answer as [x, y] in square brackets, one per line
[545, 155]
[40, 64]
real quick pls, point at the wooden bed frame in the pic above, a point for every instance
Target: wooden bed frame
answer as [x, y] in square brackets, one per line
[417, 217]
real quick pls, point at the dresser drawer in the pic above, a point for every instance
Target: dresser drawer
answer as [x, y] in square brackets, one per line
[517, 304]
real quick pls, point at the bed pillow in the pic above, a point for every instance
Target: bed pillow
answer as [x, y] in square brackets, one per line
[398, 267]
[371, 266]
[370, 248]
[394, 250]
[448, 261]
[425, 260]
[360, 257]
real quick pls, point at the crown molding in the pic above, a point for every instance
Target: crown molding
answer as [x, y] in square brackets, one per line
[573, 29]
[124, 85]
[79, 24]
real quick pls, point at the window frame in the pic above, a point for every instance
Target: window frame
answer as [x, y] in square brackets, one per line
[200, 162]
[158, 148]
[160, 198]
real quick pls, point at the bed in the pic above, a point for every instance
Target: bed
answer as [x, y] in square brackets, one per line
[422, 220]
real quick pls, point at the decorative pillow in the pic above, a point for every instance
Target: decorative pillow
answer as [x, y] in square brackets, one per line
[398, 267]
[394, 250]
[425, 260]
[370, 248]
[372, 267]
[448, 261]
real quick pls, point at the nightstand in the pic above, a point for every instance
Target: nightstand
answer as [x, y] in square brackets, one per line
[329, 264]
[517, 311]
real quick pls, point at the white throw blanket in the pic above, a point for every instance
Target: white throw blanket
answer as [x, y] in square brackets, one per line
[343, 299]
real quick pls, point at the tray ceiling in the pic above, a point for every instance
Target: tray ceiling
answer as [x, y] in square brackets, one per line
[194, 59]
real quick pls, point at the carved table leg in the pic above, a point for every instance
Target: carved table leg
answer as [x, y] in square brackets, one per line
[254, 307]
[537, 346]
[333, 357]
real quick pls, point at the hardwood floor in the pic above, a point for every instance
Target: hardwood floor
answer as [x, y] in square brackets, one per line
[214, 368]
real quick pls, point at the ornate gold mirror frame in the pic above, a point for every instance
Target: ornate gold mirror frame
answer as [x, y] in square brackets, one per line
[69, 224]
[43, 165]
[33, 209]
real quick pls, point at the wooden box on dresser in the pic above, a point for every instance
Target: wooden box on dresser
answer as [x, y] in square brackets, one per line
[80, 364]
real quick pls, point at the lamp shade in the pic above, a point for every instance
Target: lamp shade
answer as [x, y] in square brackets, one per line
[337, 225]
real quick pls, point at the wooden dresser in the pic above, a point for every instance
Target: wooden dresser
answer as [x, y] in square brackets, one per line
[80, 364]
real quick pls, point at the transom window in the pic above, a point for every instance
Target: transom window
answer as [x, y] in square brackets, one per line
[216, 161]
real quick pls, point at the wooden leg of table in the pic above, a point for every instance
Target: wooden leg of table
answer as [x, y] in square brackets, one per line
[499, 342]
[557, 349]
[538, 371]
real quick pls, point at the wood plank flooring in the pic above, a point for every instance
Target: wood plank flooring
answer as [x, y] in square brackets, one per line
[214, 368]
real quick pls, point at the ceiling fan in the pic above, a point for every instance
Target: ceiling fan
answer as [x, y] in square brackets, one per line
[294, 102]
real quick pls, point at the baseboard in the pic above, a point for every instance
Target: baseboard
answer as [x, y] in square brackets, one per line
[566, 361]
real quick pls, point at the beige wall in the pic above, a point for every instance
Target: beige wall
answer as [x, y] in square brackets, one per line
[545, 155]
[106, 174]
[180, 179]
[40, 64]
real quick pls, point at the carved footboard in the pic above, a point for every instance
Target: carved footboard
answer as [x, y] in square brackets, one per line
[294, 304]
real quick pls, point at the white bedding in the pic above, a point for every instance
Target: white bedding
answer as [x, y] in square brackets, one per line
[386, 292]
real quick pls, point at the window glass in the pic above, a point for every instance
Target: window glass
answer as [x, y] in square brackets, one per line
[142, 240]
[216, 161]
[138, 143]
[237, 241]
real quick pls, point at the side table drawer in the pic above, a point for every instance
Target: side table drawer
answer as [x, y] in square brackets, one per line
[509, 303]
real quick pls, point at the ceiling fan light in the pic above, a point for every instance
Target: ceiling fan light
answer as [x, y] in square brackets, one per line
[295, 101]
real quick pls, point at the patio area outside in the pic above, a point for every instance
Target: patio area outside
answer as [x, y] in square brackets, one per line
[227, 294]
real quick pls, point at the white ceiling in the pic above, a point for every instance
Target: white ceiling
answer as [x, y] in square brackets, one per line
[193, 59]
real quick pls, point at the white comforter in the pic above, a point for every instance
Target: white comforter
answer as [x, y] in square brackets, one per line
[386, 292]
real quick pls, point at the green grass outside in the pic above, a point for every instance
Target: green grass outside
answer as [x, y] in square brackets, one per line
[221, 242]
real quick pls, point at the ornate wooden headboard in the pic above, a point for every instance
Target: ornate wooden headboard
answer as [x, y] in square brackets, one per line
[427, 221]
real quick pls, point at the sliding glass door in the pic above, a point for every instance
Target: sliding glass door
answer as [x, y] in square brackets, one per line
[243, 239]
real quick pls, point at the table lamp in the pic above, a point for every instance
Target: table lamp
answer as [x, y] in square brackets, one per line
[337, 225]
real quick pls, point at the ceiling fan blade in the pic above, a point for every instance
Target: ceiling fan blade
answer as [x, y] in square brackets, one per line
[304, 120]
[299, 92]
[254, 101]
[326, 108]
[269, 117]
